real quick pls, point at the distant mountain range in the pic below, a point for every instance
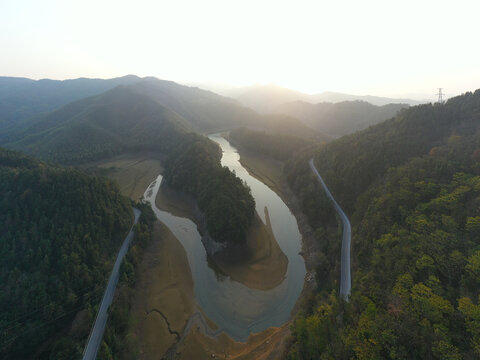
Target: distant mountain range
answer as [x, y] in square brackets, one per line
[204, 110]
[266, 98]
[116, 121]
[337, 119]
[77, 120]
[22, 98]
[55, 121]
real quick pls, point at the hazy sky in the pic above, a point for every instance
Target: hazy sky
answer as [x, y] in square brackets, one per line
[379, 47]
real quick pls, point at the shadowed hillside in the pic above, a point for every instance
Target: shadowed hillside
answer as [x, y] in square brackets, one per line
[101, 126]
[29, 108]
[21, 98]
[205, 111]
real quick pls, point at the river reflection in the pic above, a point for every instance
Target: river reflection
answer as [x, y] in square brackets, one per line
[235, 308]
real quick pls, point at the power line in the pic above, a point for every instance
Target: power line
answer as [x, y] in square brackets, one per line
[440, 96]
[25, 317]
[28, 317]
[8, 341]
[82, 290]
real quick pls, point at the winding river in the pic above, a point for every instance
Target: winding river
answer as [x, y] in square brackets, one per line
[236, 309]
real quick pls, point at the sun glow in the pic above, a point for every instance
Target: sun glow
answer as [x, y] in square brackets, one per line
[362, 47]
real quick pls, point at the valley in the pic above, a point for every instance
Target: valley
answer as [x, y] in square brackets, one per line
[259, 263]
[207, 282]
[303, 180]
[240, 252]
[165, 283]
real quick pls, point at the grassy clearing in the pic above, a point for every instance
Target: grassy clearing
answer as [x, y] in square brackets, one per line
[133, 172]
[165, 285]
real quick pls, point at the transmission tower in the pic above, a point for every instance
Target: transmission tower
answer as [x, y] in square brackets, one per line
[440, 96]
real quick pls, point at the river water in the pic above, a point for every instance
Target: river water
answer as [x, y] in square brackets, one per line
[236, 309]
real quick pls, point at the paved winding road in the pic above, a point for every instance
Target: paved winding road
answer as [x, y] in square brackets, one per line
[96, 334]
[345, 277]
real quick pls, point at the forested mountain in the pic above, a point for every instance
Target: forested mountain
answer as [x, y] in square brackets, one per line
[367, 155]
[267, 98]
[38, 116]
[412, 188]
[59, 233]
[194, 168]
[209, 112]
[22, 99]
[205, 111]
[340, 118]
[280, 147]
[117, 121]
[280, 124]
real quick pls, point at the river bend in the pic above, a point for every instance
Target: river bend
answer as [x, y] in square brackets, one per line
[235, 308]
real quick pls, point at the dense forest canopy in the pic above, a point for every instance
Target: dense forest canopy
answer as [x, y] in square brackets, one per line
[412, 187]
[59, 233]
[120, 342]
[194, 168]
[367, 155]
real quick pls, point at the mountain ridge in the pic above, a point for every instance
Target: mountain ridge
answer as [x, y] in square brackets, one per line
[265, 98]
[103, 125]
[341, 118]
[195, 109]
[21, 98]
